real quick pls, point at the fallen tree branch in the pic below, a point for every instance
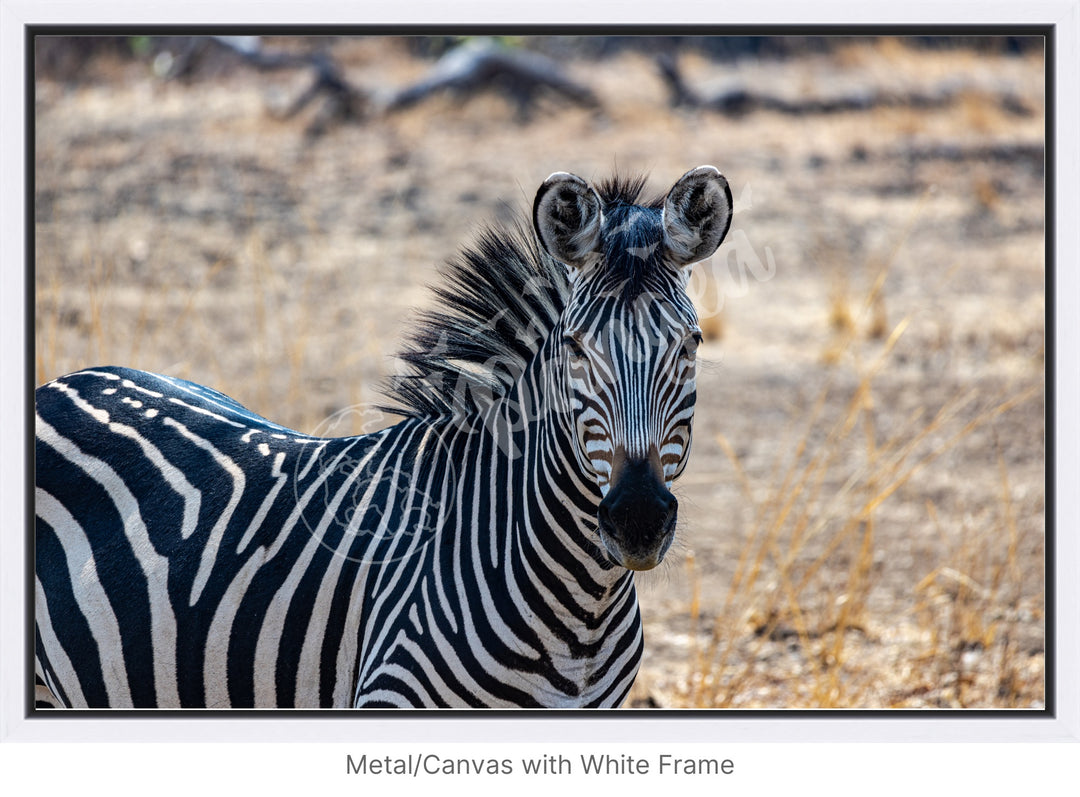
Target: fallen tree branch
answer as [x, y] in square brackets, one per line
[480, 64]
[344, 102]
[739, 101]
[474, 66]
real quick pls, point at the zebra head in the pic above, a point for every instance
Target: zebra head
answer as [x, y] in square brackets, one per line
[628, 337]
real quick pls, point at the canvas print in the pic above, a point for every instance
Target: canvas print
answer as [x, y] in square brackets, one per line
[648, 372]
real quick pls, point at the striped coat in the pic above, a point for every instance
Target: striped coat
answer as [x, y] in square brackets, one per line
[477, 553]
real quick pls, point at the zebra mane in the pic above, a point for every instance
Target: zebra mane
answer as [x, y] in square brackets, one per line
[623, 190]
[497, 303]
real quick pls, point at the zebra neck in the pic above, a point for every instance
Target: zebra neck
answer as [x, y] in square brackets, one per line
[555, 499]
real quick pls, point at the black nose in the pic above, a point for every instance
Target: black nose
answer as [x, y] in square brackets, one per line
[637, 516]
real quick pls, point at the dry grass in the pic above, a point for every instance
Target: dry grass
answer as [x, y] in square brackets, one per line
[774, 608]
[790, 634]
[160, 328]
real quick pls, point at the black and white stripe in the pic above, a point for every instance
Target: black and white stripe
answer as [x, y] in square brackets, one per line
[190, 553]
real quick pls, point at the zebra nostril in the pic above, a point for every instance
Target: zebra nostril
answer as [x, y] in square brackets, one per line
[671, 514]
[603, 515]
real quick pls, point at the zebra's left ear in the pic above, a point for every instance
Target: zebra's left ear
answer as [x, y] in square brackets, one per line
[697, 215]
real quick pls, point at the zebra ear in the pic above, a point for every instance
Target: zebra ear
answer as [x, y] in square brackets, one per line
[697, 215]
[567, 217]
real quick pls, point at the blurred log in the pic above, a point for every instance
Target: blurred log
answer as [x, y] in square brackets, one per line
[477, 65]
[344, 102]
[739, 101]
[480, 64]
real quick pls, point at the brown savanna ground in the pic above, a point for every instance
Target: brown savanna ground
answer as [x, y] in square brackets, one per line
[863, 514]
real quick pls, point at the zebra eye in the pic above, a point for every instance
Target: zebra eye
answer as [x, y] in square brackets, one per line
[690, 345]
[573, 345]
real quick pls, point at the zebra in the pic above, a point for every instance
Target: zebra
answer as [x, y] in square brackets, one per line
[480, 552]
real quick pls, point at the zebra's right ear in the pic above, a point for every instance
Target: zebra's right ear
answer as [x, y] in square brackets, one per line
[567, 217]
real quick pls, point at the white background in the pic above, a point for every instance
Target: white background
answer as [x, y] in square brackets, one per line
[933, 753]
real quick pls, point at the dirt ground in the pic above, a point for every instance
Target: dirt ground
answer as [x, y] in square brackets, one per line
[863, 516]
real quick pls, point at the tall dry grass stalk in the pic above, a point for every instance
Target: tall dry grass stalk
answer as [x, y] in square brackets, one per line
[966, 605]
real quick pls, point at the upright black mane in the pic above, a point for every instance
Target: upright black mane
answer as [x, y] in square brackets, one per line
[622, 190]
[498, 301]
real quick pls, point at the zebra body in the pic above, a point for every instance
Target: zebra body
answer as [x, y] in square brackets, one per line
[477, 553]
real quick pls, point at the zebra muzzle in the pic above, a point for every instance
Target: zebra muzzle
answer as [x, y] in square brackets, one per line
[637, 517]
